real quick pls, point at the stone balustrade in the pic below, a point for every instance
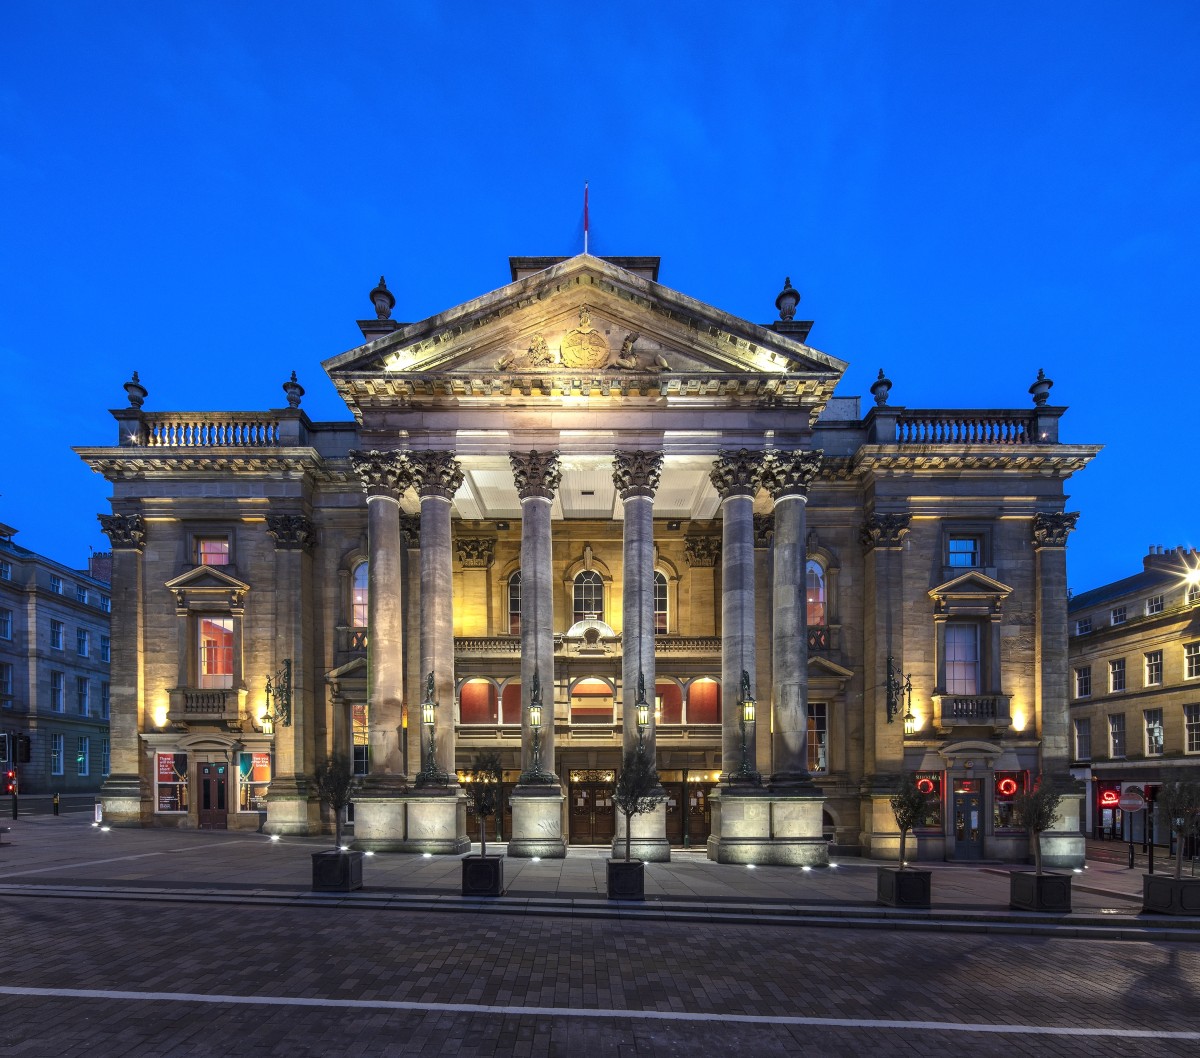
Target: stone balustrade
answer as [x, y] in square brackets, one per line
[980, 710]
[204, 430]
[965, 428]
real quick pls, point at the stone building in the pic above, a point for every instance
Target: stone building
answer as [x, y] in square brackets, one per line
[54, 670]
[1135, 687]
[577, 486]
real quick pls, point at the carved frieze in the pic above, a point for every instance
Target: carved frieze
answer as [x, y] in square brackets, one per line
[884, 530]
[127, 532]
[637, 473]
[476, 552]
[436, 473]
[292, 532]
[1052, 530]
[790, 473]
[702, 551]
[737, 473]
[383, 473]
[536, 473]
[764, 531]
[584, 348]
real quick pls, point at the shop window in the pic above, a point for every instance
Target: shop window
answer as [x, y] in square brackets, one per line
[254, 777]
[814, 593]
[478, 702]
[216, 651]
[171, 775]
[589, 596]
[818, 737]
[591, 702]
[704, 701]
[668, 702]
[930, 784]
[1009, 786]
[660, 603]
[358, 596]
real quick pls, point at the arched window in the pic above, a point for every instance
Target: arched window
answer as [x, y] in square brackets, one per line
[660, 603]
[478, 702]
[815, 593]
[589, 596]
[358, 596]
[514, 604]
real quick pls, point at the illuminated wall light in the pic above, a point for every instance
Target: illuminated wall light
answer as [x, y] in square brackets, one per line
[160, 715]
[1019, 720]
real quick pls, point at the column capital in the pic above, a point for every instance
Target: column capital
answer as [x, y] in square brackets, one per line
[476, 552]
[737, 473]
[292, 532]
[410, 529]
[790, 473]
[126, 532]
[435, 473]
[884, 530]
[1052, 530]
[383, 473]
[702, 551]
[637, 473]
[536, 473]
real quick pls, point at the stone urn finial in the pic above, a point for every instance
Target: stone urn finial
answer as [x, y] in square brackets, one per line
[294, 391]
[787, 300]
[1041, 388]
[136, 391]
[383, 300]
[880, 388]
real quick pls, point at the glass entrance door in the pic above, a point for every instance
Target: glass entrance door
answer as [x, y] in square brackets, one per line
[968, 826]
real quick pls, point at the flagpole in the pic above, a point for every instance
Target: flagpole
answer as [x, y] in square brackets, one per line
[585, 217]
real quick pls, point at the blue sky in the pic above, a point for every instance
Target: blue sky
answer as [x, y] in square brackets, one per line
[963, 193]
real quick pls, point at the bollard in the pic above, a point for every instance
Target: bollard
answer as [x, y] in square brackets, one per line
[56, 804]
[1131, 855]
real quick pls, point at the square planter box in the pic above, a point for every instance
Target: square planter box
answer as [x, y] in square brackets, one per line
[1170, 896]
[626, 881]
[909, 887]
[483, 876]
[336, 872]
[1032, 892]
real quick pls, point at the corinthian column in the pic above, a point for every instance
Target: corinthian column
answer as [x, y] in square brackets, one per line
[736, 477]
[786, 476]
[385, 477]
[437, 478]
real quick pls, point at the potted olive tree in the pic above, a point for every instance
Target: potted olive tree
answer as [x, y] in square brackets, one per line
[1038, 890]
[338, 869]
[902, 885]
[483, 875]
[1173, 894]
[637, 792]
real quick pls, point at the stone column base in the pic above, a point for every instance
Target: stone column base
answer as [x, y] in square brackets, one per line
[752, 825]
[648, 836]
[380, 818]
[121, 802]
[537, 822]
[437, 821]
[291, 810]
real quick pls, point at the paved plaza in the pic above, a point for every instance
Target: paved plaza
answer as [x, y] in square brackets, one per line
[113, 945]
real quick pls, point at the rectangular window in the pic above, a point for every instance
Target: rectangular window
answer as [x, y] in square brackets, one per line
[105, 757]
[1116, 734]
[1083, 626]
[56, 635]
[963, 551]
[83, 748]
[1153, 668]
[1118, 615]
[254, 776]
[1191, 727]
[1154, 731]
[660, 604]
[1083, 681]
[6, 684]
[1191, 661]
[1154, 605]
[81, 642]
[212, 550]
[83, 695]
[5, 571]
[1083, 739]
[56, 584]
[57, 684]
[1116, 675]
[104, 703]
[5, 624]
[81, 593]
[362, 761]
[216, 652]
[962, 658]
[170, 772]
[818, 737]
[56, 754]
[106, 604]
[1193, 594]
[105, 648]
[1009, 786]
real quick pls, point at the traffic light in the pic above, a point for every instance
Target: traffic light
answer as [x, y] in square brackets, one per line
[10, 781]
[5, 748]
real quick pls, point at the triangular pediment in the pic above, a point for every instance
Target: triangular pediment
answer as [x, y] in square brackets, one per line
[581, 318]
[822, 668]
[207, 578]
[971, 585]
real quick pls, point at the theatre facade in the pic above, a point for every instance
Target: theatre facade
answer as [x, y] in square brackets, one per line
[577, 515]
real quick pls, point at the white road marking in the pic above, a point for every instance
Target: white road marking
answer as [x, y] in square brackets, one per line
[111, 859]
[575, 1012]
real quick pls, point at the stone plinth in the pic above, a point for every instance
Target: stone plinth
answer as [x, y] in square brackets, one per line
[290, 810]
[436, 821]
[537, 822]
[121, 801]
[648, 836]
[379, 820]
[752, 825]
[797, 833]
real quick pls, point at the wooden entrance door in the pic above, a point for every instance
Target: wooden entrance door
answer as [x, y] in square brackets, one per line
[213, 780]
[593, 817]
[699, 813]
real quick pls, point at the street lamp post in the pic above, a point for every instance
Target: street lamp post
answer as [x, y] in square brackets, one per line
[746, 717]
[535, 774]
[642, 712]
[429, 774]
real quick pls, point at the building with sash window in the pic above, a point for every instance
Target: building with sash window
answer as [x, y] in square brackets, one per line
[576, 514]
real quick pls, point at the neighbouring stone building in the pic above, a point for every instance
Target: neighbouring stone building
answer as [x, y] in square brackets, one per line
[54, 670]
[1135, 687]
[580, 484]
